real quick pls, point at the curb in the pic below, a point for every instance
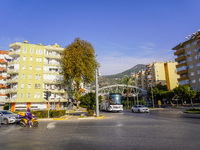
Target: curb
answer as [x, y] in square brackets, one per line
[91, 118]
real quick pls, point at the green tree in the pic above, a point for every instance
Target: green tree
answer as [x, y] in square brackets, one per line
[127, 81]
[78, 64]
[89, 101]
[191, 94]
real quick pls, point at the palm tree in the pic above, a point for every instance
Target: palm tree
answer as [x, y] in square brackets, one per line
[127, 81]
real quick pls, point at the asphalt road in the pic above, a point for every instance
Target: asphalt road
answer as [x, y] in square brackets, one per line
[158, 130]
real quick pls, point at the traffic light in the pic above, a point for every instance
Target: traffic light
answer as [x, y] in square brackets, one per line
[49, 94]
[46, 95]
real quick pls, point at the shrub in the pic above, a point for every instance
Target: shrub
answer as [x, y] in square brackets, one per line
[6, 107]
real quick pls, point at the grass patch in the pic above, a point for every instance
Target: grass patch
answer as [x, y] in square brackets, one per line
[193, 110]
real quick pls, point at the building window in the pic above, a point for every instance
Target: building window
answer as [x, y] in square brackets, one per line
[31, 51]
[24, 51]
[30, 76]
[37, 95]
[188, 45]
[36, 76]
[29, 85]
[189, 52]
[39, 77]
[190, 59]
[52, 87]
[22, 85]
[192, 73]
[24, 58]
[22, 76]
[196, 56]
[198, 64]
[35, 86]
[191, 66]
[40, 51]
[193, 81]
[23, 67]
[30, 68]
[21, 95]
[40, 59]
[36, 68]
[198, 71]
[39, 68]
[37, 59]
[31, 58]
[194, 43]
[196, 49]
[29, 95]
[38, 86]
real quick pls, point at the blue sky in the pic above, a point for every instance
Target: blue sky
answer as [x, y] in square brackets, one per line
[123, 32]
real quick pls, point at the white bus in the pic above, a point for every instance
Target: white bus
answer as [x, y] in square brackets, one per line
[113, 102]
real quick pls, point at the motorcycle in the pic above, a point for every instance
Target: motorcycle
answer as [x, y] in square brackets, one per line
[24, 122]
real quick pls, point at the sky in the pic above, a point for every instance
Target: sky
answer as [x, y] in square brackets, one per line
[124, 33]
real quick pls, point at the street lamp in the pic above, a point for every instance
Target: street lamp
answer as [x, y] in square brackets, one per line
[97, 73]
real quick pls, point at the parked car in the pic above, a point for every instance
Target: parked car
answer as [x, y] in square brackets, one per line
[140, 108]
[7, 117]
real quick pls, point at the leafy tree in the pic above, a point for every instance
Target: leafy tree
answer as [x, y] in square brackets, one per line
[89, 101]
[191, 94]
[127, 81]
[78, 64]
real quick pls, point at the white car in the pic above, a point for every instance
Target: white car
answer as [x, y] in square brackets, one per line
[7, 117]
[140, 108]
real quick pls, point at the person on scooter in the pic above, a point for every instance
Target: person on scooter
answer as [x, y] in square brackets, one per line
[28, 116]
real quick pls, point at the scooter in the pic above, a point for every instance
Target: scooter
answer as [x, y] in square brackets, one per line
[24, 122]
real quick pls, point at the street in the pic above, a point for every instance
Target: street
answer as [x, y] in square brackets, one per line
[159, 129]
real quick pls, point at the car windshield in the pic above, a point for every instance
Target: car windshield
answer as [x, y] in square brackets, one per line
[7, 112]
[140, 106]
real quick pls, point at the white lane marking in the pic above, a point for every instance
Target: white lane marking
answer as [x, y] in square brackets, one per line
[51, 125]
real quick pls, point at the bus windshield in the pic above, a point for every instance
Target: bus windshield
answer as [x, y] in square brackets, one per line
[115, 99]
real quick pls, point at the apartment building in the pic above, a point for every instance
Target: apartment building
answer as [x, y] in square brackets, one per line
[33, 70]
[3, 75]
[158, 73]
[188, 58]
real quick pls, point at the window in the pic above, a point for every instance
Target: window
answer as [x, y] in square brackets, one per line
[37, 59]
[38, 86]
[30, 68]
[193, 81]
[31, 58]
[35, 86]
[37, 95]
[188, 45]
[29, 95]
[22, 76]
[40, 51]
[40, 59]
[29, 85]
[39, 68]
[197, 57]
[190, 59]
[30, 76]
[194, 43]
[198, 64]
[24, 51]
[23, 67]
[31, 51]
[21, 95]
[37, 51]
[36, 68]
[189, 52]
[191, 66]
[198, 71]
[52, 87]
[196, 49]
[39, 77]
[22, 85]
[192, 73]
[24, 58]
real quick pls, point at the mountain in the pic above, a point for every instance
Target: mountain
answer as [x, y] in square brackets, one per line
[116, 78]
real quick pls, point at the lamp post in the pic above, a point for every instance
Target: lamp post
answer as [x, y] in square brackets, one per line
[152, 93]
[96, 91]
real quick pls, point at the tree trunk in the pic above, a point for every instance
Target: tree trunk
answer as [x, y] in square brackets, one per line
[127, 95]
[191, 101]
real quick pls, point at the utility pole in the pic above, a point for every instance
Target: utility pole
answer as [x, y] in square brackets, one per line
[96, 90]
[152, 93]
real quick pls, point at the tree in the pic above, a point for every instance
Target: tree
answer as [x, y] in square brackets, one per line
[127, 81]
[191, 94]
[89, 101]
[78, 64]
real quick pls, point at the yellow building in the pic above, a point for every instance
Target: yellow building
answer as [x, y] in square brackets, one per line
[35, 69]
[158, 73]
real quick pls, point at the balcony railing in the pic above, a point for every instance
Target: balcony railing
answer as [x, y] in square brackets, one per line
[183, 78]
[13, 62]
[53, 56]
[52, 64]
[12, 71]
[179, 52]
[53, 81]
[182, 72]
[13, 90]
[52, 72]
[14, 53]
[180, 58]
[14, 80]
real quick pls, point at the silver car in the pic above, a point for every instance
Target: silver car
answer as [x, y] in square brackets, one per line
[140, 108]
[7, 117]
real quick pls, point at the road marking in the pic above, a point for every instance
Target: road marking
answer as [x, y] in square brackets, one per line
[51, 125]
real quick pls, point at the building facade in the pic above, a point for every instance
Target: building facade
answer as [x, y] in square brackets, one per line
[158, 73]
[3, 75]
[33, 70]
[188, 58]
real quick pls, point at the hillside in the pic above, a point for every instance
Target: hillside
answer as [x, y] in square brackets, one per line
[116, 78]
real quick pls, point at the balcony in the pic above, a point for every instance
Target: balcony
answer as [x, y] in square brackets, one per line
[183, 78]
[53, 81]
[13, 71]
[52, 64]
[149, 77]
[13, 62]
[180, 58]
[14, 53]
[179, 52]
[180, 65]
[15, 80]
[13, 90]
[53, 56]
[56, 91]
[51, 72]
[182, 72]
